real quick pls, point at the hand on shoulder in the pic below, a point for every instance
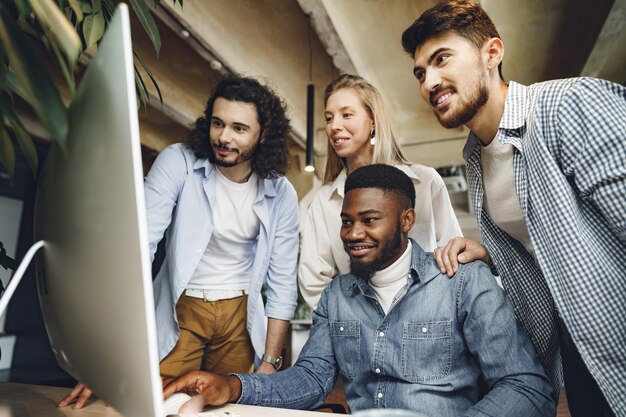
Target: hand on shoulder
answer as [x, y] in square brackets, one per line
[459, 250]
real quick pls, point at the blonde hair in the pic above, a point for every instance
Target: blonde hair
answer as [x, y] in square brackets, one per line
[386, 148]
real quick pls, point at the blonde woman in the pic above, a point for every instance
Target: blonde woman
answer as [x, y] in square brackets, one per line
[359, 133]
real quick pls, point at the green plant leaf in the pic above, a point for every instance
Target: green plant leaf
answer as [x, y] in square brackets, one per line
[97, 6]
[35, 84]
[93, 28]
[142, 91]
[50, 16]
[86, 7]
[154, 82]
[148, 23]
[23, 7]
[65, 68]
[7, 153]
[75, 5]
[4, 68]
[12, 85]
[24, 140]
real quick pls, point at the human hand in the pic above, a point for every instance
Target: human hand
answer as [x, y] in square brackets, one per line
[266, 368]
[459, 250]
[211, 389]
[78, 397]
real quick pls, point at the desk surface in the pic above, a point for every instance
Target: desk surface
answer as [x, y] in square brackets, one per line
[22, 400]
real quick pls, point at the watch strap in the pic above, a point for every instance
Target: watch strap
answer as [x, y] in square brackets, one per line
[275, 361]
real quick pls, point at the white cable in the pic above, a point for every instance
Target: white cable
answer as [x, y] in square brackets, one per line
[17, 276]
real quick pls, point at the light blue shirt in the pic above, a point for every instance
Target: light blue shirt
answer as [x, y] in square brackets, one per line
[180, 194]
[446, 348]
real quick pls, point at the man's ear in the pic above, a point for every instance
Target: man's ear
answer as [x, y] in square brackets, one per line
[494, 49]
[407, 219]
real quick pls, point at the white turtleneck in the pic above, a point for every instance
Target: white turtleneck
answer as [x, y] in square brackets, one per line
[388, 282]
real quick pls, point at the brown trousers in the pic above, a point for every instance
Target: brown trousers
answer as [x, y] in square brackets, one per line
[213, 337]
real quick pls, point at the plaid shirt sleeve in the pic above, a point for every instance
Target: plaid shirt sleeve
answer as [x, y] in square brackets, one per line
[591, 131]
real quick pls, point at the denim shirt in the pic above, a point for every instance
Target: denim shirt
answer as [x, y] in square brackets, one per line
[447, 347]
[180, 194]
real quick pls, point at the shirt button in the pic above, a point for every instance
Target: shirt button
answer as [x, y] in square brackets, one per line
[377, 370]
[381, 334]
[341, 329]
[424, 330]
[380, 395]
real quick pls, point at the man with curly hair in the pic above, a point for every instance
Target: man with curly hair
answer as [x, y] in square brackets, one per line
[232, 225]
[230, 218]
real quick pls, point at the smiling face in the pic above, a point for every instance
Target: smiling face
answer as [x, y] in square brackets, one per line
[348, 125]
[453, 78]
[374, 229]
[234, 132]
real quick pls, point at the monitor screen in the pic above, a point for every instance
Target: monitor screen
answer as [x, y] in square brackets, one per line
[93, 274]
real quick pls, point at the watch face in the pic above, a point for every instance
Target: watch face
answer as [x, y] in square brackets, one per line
[279, 363]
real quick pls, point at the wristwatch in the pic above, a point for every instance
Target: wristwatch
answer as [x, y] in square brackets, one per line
[277, 362]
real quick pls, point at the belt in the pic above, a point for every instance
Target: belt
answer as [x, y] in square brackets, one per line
[215, 295]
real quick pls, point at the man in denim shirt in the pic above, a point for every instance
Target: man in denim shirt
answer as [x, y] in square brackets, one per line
[401, 333]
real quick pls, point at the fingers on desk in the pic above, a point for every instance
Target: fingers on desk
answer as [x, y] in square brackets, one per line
[77, 397]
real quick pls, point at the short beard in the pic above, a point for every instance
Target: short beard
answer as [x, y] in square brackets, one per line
[366, 270]
[243, 157]
[468, 112]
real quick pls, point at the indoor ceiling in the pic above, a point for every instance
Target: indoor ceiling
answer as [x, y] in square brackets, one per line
[544, 39]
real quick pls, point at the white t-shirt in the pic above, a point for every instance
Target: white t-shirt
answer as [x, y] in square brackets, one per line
[227, 261]
[500, 198]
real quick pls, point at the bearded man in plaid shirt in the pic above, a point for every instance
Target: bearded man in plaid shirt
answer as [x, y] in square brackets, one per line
[546, 166]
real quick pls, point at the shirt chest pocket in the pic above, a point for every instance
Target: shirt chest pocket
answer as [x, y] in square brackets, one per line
[346, 338]
[426, 350]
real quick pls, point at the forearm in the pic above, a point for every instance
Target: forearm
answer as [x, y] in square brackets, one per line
[517, 397]
[306, 384]
[276, 335]
[298, 387]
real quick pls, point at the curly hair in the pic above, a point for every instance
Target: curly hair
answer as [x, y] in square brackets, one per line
[388, 178]
[466, 18]
[270, 154]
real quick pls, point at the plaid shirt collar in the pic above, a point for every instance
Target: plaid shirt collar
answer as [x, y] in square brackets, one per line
[512, 124]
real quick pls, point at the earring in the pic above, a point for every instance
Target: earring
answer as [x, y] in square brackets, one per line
[373, 137]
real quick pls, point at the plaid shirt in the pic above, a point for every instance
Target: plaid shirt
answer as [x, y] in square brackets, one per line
[569, 163]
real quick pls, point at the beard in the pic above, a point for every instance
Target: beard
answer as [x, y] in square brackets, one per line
[366, 270]
[243, 156]
[467, 109]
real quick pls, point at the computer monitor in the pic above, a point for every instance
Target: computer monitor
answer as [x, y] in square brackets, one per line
[93, 274]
